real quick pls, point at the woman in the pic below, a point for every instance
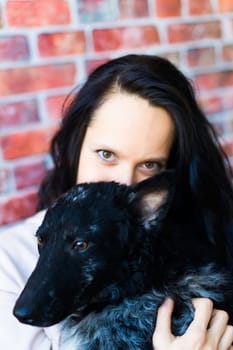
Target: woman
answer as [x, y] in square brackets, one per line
[135, 116]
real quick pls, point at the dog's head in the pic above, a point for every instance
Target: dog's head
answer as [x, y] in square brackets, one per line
[87, 241]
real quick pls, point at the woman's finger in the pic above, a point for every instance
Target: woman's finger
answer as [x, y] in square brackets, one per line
[208, 330]
[226, 340]
[162, 334]
[203, 311]
[217, 326]
[196, 334]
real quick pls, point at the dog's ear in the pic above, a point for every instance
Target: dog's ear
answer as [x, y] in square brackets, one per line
[152, 198]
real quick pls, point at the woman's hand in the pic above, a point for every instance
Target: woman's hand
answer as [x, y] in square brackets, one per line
[208, 330]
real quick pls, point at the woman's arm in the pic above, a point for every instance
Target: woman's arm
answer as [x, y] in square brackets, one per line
[208, 331]
[18, 256]
[14, 335]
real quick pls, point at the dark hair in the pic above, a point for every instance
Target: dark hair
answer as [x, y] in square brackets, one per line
[203, 172]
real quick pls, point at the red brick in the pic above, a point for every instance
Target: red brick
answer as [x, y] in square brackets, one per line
[202, 7]
[218, 127]
[228, 100]
[1, 22]
[211, 105]
[13, 48]
[169, 8]
[31, 174]
[59, 44]
[228, 147]
[174, 57]
[200, 57]
[93, 64]
[133, 8]
[32, 13]
[95, 10]
[54, 106]
[124, 38]
[228, 53]
[225, 5]
[231, 126]
[17, 208]
[214, 80]
[29, 79]
[25, 143]
[5, 175]
[228, 26]
[18, 113]
[194, 31]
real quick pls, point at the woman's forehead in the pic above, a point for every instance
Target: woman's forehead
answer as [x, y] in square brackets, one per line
[128, 121]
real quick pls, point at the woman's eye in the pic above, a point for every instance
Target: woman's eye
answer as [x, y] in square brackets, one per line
[152, 166]
[80, 245]
[106, 155]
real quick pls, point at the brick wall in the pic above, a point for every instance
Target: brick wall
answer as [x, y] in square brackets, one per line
[48, 46]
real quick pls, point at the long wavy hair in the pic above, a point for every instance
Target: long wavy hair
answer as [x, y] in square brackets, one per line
[204, 187]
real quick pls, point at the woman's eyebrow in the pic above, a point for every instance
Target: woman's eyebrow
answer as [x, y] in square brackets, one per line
[105, 147]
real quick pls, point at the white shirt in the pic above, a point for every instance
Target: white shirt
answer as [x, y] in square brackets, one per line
[18, 257]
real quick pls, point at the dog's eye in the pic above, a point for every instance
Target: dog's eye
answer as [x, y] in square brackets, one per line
[40, 241]
[80, 245]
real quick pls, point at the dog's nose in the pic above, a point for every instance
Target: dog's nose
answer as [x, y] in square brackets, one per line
[23, 315]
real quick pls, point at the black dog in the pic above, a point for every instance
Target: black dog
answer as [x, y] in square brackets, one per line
[105, 266]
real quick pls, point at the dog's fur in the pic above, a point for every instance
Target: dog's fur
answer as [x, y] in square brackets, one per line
[105, 267]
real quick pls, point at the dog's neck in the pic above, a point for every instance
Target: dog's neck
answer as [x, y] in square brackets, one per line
[135, 279]
[114, 293]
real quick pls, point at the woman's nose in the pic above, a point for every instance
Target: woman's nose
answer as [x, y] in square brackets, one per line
[125, 176]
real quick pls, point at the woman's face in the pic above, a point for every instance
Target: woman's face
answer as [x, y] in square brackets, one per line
[128, 140]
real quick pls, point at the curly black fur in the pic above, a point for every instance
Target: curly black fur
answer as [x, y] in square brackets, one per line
[107, 262]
